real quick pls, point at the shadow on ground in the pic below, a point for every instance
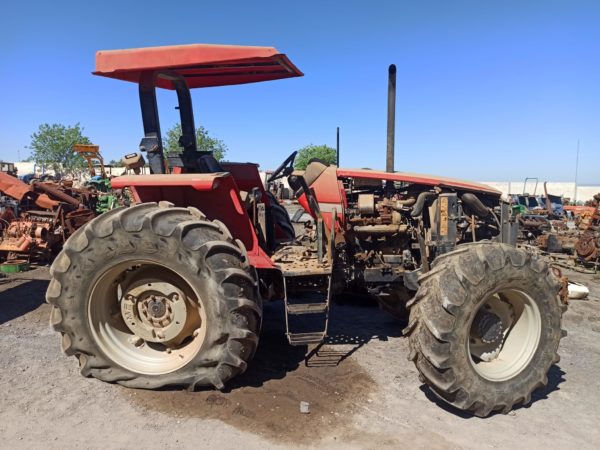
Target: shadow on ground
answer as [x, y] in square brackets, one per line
[266, 399]
[555, 378]
[352, 325]
[21, 299]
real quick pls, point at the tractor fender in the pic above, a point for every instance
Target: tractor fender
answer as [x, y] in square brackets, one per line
[215, 196]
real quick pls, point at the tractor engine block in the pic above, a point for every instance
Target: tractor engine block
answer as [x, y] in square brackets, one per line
[32, 232]
[380, 234]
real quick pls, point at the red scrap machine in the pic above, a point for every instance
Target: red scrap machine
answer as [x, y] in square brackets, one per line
[170, 291]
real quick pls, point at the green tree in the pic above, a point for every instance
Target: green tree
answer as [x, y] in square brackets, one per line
[322, 152]
[205, 142]
[52, 146]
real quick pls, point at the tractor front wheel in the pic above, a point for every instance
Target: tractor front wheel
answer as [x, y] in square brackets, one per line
[485, 326]
[152, 296]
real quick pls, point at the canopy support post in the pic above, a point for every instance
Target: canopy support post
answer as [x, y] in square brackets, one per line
[152, 141]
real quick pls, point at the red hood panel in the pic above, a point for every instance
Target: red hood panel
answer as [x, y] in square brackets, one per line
[429, 180]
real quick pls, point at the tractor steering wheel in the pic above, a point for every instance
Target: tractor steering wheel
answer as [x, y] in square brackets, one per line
[284, 169]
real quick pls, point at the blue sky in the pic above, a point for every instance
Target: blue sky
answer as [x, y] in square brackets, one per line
[487, 90]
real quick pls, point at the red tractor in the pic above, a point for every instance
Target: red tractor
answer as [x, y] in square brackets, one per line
[169, 292]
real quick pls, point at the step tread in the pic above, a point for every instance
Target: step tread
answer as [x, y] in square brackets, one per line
[306, 338]
[306, 308]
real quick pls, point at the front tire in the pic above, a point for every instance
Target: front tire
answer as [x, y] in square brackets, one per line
[152, 296]
[485, 326]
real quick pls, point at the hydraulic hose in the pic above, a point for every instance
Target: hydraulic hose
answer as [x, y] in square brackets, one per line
[421, 201]
[474, 206]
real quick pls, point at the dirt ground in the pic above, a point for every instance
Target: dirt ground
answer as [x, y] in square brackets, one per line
[362, 391]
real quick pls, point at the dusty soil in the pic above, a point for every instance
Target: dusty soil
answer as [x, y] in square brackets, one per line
[362, 391]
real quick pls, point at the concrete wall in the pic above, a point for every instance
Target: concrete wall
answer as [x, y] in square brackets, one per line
[566, 189]
[26, 167]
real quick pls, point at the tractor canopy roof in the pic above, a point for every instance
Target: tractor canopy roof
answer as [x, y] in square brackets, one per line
[201, 65]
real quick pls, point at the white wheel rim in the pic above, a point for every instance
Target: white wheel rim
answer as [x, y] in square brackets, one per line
[520, 336]
[118, 340]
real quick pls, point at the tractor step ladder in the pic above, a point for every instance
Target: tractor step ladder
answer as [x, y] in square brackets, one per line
[303, 301]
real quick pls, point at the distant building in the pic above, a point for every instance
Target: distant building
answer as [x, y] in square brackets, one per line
[565, 189]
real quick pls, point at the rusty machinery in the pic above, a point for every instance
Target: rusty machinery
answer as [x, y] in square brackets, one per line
[580, 242]
[8, 168]
[91, 153]
[36, 219]
[134, 162]
[588, 245]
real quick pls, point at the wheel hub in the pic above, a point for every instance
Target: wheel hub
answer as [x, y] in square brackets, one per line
[516, 315]
[487, 326]
[157, 307]
[146, 318]
[154, 312]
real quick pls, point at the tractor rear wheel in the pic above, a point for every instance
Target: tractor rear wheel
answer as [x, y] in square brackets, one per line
[485, 326]
[152, 296]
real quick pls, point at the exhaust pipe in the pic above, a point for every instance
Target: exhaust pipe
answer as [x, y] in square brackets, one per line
[337, 148]
[391, 118]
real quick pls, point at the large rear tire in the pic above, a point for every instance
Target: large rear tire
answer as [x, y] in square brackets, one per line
[485, 326]
[152, 296]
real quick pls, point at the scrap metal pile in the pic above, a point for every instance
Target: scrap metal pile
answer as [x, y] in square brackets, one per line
[570, 235]
[37, 218]
[588, 245]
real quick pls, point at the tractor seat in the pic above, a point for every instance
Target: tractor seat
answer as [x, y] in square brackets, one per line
[314, 169]
[209, 164]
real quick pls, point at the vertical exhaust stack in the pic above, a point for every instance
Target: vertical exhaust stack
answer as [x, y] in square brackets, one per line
[391, 118]
[337, 148]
